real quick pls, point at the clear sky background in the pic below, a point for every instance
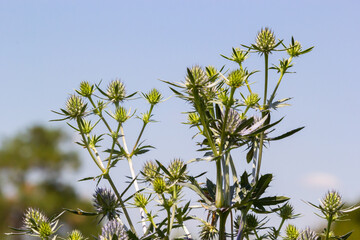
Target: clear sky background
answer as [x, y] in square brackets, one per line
[48, 47]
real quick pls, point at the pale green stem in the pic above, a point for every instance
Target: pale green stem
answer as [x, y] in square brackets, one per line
[263, 115]
[327, 235]
[122, 205]
[113, 146]
[141, 131]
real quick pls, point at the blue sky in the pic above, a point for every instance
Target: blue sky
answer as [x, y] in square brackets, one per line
[48, 47]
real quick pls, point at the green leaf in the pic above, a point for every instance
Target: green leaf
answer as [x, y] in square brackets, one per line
[285, 135]
[81, 212]
[346, 236]
[269, 201]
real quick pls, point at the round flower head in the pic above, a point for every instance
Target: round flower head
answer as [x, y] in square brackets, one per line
[140, 200]
[236, 78]
[292, 233]
[159, 185]
[86, 89]
[208, 232]
[175, 168]
[116, 91]
[196, 78]
[75, 235]
[153, 97]
[150, 170]
[75, 107]
[113, 230]
[265, 41]
[33, 218]
[106, 203]
[252, 221]
[331, 203]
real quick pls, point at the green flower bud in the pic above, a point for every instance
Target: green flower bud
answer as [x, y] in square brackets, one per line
[159, 185]
[223, 97]
[86, 89]
[331, 203]
[287, 212]
[100, 107]
[252, 100]
[116, 91]
[86, 126]
[238, 55]
[265, 41]
[121, 115]
[175, 168]
[150, 170]
[45, 230]
[146, 117]
[196, 78]
[75, 107]
[211, 72]
[75, 235]
[140, 200]
[193, 118]
[292, 233]
[252, 221]
[236, 78]
[208, 232]
[153, 97]
[294, 49]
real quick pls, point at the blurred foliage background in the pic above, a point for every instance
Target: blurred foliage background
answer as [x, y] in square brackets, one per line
[32, 166]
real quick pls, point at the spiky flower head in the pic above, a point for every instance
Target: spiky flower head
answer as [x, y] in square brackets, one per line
[294, 49]
[252, 100]
[116, 91]
[153, 97]
[287, 212]
[140, 200]
[176, 169]
[150, 170]
[331, 203]
[121, 114]
[113, 230]
[239, 55]
[252, 222]
[208, 232]
[236, 78]
[85, 126]
[86, 89]
[75, 107]
[292, 233]
[159, 185]
[45, 230]
[265, 41]
[105, 202]
[308, 234]
[33, 218]
[196, 78]
[193, 118]
[75, 235]
[212, 72]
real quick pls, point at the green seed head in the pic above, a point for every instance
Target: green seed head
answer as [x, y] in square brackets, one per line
[33, 218]
[292, 233]
[287, 212]
[294, 49]
[211, 72]
[75, 107]
[116, 91]
[208, 232]
[331, 203]
[86, 89]
[159, 185]
[153, 97]
[140, 200]
[252, 221]
[45, 230]
[150, 170]
[193, 118]
[75, 235]
[239, 55]
[121, 115]
[175, 168]
[236, 78]
[197, 78]
[86, 126]
[252, 100]
[265, 41]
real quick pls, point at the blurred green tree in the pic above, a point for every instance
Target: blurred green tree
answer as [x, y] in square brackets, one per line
[352, 224]
[32, 166]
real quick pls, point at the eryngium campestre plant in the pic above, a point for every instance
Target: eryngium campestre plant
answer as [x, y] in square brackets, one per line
[106, 203]
[331, 203]
[208, 232]
[116, 91]
[75, 107]
[33, 218]
[113, 230]
[292, 233]
[177, 171]
[150, 170]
